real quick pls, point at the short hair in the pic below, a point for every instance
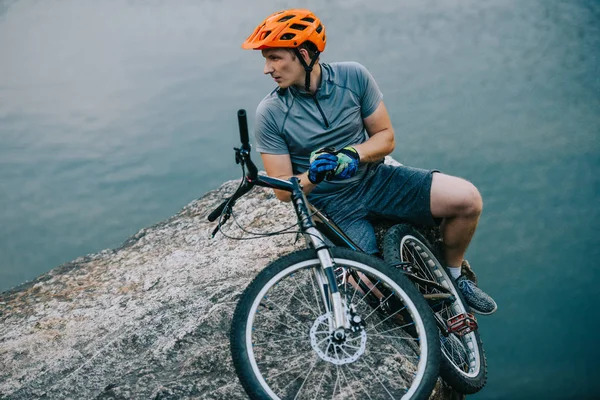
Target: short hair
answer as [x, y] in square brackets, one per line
[309, 46]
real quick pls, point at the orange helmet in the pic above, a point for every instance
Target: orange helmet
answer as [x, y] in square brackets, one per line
[287, 28]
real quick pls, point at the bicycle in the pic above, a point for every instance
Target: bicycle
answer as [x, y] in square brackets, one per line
[327, 322]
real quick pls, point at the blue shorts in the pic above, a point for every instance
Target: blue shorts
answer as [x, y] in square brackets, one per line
[396, 193]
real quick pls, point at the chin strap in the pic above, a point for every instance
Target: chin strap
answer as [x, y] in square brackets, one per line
[307, 68]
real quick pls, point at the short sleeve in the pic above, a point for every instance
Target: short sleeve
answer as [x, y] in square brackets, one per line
[370, 95]
[267, 134]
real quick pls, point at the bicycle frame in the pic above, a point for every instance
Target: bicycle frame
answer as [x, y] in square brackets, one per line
[314, 225]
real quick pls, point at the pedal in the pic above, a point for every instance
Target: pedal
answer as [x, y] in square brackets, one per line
[462, 324]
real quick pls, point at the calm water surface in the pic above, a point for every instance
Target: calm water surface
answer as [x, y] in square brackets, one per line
[115, 114]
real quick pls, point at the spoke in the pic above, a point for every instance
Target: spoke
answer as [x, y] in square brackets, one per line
[403, 355]
[369, 291]
[395, 337]
[281, 309]
[355, 338]
[305, 302]
[348, 384]
[287, 370]
[396, 328]
[278, 321]
[355, 286]
[388, 317]
[269, 332]
[285, 312]
[321, 381]
[379, 306]
[359, 382]
[337, 377]
[376, 377]
[306, 299]
[423, 266]
[392, 354]
[340, 371]
[306, 378]
[453, 353]
[276, 341]
[295, 355]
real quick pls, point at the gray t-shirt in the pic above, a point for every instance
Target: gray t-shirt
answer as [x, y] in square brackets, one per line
[290, 122]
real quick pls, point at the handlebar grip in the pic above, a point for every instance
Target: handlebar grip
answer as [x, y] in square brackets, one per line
[217, 211]
[243, 123]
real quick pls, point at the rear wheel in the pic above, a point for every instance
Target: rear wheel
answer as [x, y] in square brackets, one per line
[283, 348]
[463, 364]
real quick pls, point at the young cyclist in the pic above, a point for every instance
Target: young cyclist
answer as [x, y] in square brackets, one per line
[327, 125]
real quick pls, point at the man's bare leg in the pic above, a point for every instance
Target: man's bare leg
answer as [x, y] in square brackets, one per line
[459, 203]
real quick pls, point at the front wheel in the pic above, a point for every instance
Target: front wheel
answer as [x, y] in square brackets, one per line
[463, 363]
[283, 348]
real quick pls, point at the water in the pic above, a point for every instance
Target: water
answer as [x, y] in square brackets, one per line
[114, 115]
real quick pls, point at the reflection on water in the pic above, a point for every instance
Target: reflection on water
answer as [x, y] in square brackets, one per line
[114, 115]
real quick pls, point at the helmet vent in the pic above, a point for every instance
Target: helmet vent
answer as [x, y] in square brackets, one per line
[319, 28]
[286, 18]
[264, 35]
[308, 19]
[287, 36]
[298, 27]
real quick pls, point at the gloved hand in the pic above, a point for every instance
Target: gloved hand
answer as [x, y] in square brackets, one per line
[347, 163]
[323, 163]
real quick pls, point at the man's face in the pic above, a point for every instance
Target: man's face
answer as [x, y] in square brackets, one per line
[284, 67]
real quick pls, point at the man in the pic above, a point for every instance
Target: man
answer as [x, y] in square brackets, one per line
[318, 108]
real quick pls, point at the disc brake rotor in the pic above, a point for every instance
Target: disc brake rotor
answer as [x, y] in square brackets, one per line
[336, 352]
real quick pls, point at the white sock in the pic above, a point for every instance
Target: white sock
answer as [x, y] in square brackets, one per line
[454, 271]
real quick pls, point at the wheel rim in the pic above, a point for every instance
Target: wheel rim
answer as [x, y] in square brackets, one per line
[295, 369]
[461, 351]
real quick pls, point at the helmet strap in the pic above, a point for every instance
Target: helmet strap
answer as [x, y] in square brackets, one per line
[308, 68]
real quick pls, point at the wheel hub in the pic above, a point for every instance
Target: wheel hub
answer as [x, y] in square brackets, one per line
[335, 349]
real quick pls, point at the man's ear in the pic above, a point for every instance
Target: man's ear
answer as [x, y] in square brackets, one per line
[305, 55]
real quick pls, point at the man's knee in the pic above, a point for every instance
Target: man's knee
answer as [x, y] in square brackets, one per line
[452, 196]
[473, 203]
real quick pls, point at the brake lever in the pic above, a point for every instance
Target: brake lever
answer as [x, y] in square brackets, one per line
[224, 219]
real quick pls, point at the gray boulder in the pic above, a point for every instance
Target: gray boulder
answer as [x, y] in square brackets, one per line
[148, 320]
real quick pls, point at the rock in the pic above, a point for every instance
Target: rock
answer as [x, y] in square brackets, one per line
[147, 320]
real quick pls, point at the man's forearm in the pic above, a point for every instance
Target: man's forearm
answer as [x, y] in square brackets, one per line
[377, 146]
[307, 187]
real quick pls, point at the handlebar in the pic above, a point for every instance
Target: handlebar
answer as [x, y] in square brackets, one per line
[243, 124]
[242, 156]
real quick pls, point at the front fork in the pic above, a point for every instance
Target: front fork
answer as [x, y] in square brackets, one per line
[325, 276]
[332, 298]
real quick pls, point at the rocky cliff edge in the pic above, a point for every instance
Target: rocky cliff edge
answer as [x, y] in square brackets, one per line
[148, 320]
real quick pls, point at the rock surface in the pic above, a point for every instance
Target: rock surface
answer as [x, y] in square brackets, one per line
[148, 320]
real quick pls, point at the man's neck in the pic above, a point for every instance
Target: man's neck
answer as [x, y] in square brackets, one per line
[315, 80]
